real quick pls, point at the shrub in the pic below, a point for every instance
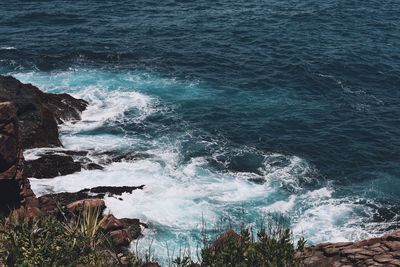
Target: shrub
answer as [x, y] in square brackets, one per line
[46, 241]
[272, 246]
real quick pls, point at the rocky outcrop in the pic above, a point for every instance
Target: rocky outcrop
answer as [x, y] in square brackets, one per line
[49, 166]
[96, 192]
[58, 162]
[15, 190]
[92, 203]
[122, 231]
[29, 118]
[380, 251]
[39, 113]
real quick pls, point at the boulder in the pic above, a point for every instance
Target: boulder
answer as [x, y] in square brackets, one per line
[110, 223]
[93, 203]
[38, 112]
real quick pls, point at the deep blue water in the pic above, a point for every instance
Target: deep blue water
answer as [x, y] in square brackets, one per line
[303, 95]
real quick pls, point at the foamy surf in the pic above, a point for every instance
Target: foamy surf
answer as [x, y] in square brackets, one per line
[182, 189]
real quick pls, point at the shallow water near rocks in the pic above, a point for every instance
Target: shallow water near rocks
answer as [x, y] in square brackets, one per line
[287, 107]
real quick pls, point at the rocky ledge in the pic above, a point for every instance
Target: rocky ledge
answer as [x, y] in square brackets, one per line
[39, 113]
[29, 118]
[379, 251]
[15, 190]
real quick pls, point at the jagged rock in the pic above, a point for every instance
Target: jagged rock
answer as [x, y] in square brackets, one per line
[110, 223]
[134, 226]
[92, 166]
[96, 192]
[56, 162]
[131, 156]
[378, 251]
[89, 203]
[15, 190]
[113, 190]
[49, 166]
[122, 237]
[122, 230]
[39, 112]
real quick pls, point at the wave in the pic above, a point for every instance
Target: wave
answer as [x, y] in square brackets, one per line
[7, 48]
[189, 175]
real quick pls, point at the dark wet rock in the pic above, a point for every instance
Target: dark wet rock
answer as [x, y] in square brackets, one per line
[92, 166]
[113, 190]
[54, 163]
[8, 136]
[134, 226]
[115, 156]
[49, 166]
[257, 180]
[246, 162]
[131, 156]
[39, 113]
[73, 153]
[96, 192]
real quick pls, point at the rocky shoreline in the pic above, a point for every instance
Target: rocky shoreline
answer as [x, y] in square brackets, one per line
[29, 118]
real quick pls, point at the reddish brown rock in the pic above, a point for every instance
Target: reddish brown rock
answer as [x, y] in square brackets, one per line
[89, 203]
[383, 258]
[392, 245]
[15, 190]
[39, 113]
[222, 240]
[110, 223]
[380, 251]
[121, 237]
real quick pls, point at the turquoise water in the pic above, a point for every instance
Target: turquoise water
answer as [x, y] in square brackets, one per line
[244, 108]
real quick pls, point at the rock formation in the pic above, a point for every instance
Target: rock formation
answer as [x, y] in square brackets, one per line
[39, 113]
[29, 118]
[15, 190]
[380, 251]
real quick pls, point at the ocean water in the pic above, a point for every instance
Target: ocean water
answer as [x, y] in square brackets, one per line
[243, 108]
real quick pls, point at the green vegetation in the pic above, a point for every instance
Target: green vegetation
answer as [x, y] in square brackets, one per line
[47, 241]
[272, 246]
[79, 241]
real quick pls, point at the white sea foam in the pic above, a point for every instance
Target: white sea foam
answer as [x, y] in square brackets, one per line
[178, 193]
[290, 171]
[281, 206]
[106, 106]
[8, 48]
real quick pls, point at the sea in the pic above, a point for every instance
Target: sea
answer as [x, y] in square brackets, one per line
[242, 109]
